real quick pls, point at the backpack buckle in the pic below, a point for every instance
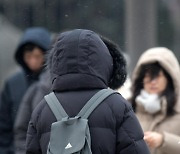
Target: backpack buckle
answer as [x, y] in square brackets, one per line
[70, 120]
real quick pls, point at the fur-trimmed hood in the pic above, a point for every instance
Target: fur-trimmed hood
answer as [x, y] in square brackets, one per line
[168, 61]
[80, 59]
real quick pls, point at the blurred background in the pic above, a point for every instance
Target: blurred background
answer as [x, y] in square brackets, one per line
[135, 25]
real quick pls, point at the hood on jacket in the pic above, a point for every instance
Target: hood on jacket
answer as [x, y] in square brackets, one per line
[167, 60]
[37, 36]
[80, 60]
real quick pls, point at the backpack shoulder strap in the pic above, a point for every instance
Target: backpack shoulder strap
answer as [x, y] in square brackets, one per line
[55, 106]
[94, 102]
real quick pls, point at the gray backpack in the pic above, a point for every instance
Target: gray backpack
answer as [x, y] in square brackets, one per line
[71, 134]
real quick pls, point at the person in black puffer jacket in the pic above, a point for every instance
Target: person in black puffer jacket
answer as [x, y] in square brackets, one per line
[30, 56]
[80, 65]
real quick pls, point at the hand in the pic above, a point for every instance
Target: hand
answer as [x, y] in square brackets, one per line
[153, 139]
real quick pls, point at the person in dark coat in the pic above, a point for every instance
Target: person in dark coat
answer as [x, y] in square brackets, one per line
[80, 65]
[30, 56]
[33, 96]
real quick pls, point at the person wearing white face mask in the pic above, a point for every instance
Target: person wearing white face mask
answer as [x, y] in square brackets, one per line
[156, 99]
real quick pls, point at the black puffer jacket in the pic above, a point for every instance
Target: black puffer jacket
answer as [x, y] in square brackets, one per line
[81, 65]
[16, 86]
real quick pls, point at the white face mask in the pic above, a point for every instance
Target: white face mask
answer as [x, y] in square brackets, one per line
[150, 102]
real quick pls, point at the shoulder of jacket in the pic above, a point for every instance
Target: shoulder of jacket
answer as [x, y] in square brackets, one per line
[16, 76]
[38, 110]
[119, 105]
[118, 99]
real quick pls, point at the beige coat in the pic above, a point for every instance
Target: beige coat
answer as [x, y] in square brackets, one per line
[168, 126]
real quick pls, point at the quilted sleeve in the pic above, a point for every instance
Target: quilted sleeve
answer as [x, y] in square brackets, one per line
[130, 135]
[32, 139]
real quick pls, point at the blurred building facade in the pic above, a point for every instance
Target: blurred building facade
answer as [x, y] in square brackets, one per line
[134, 24]
[9, 37]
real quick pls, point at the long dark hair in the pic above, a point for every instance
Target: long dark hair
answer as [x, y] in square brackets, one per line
[153, 70]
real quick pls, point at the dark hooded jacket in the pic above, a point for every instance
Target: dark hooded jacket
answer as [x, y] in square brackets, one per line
[39, 89]
[16, 86]
[80, 65]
